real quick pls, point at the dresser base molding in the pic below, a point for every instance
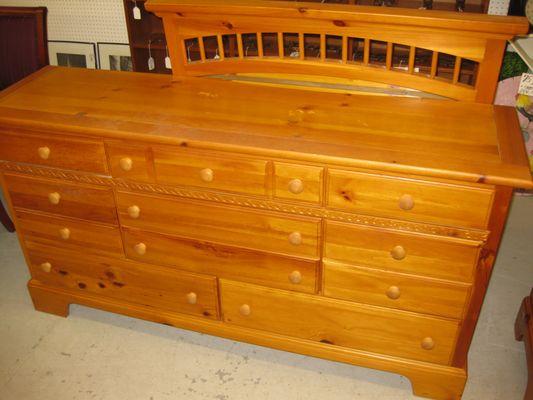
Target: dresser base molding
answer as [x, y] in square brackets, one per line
[428, 380]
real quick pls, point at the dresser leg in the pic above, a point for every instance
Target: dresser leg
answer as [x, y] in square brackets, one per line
[48, 301]
[438, 387]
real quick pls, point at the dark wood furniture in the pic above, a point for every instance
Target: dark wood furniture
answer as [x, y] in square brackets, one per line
[23, 50]
[524, 332]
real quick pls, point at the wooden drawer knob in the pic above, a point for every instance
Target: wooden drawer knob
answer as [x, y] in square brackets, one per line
[46, 267]
[295, 238]
[134, 211]
[398, 253]
[126, 163]
[44, 152]
[140, 248]
[295, 277]
[64, 233]
[393, 292]
[427, 343]
[296, 186]
[207, 175]
[245, 310]
[54, 198]
[406, 202]
[192, 298]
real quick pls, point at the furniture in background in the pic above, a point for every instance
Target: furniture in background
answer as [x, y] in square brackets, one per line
[524, 332]
[23, 51]
[328, 222]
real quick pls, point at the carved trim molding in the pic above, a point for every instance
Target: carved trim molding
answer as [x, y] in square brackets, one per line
[72, 176]
[266, 204]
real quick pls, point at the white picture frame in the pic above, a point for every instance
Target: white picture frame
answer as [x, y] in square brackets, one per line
[114, 56]
[72, 54]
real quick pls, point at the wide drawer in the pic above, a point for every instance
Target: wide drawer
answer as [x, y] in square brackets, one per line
[226, 225]
[389, 289]
[410, 199]
[339, 323]
[177, 166]
[158, 287]
[54, 151]
[84, 237]
[72, 200]
[402, 252]
[298, 182]
[221, 261]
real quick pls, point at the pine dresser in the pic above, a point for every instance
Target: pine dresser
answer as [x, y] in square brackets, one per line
[329, 180]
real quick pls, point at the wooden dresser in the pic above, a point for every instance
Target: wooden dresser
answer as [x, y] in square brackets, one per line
[317, 219]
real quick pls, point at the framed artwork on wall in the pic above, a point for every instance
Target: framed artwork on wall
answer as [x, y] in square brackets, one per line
[115, 56]
[72, 54]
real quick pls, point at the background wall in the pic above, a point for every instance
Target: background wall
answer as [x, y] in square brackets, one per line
[81, 20]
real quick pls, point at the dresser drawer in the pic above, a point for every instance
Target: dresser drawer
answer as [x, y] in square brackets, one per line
[221, 261]
[131, 162]
[177, 166]
[402, 252]
[226, 225]
[84, 237]
[298, 182]
[389, 289]
[158, 287]
[72, 200]
[54, 151]
[339, 323]
[410, 199]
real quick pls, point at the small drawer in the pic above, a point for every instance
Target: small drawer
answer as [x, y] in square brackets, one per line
[410, 199]
[177, 166]
[402, 252]
[298, 182]
[225, 225]
[339, 323]
[54, 151]
[55, 197]
[148, 285]
[221, 261]
[133, 162]
[389, 289]
[84, 237]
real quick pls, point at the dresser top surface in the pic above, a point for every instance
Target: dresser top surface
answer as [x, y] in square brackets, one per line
[439, 138]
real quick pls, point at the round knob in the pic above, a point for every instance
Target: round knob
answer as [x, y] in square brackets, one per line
[126, 163]
[406, 202]
[295, 238]
[140, 248]
[296, 186]
[44, 152]
[207, 175]
[46, 267]
[64, 233]
[398, 253]
[192, 298]
[295, 277]
[134, 211]
[427, 343]
[393, 292]
[245, 310]
[54, 198]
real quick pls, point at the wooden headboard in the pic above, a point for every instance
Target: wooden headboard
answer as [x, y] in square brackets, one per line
[455, 55]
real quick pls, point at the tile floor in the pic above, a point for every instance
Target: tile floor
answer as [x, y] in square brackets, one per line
[98, 355]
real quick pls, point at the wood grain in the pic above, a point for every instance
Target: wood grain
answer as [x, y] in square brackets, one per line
[310, 178]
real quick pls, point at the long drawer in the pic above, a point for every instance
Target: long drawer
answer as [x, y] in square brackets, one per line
[339, 323]
[81, 236]
[410, 199]
[55, 151]
[390, 289]
[71, 200]
[158, 287]
[231, 226]
[399, 251]
[221, 261]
